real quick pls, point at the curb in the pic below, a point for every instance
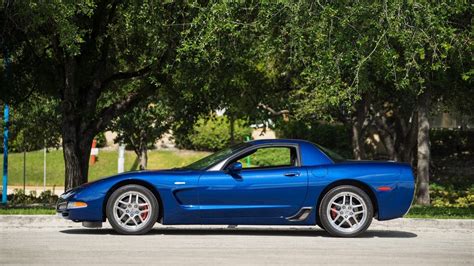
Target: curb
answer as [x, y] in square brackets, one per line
[53, 221]
[427, 223]
[48, 221]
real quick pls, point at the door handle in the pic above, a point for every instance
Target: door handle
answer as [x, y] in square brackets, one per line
[291, 174]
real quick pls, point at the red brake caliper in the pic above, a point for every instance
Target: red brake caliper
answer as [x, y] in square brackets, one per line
[145, 214]
[333, 213]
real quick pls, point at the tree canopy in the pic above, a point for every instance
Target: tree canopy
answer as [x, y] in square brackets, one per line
[378, 67]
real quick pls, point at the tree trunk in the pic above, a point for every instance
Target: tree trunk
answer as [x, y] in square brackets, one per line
[386, 136]
[232, 129]
[423, 166]
[143, 157]
[358, 126]
[141, 149]
[76, 153]
[410, 140]
[357, 142]
[76, 143]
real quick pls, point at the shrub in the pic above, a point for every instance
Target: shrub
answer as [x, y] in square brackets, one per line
[448, 196]
[101, 140]
[47, 197]
[19, 197]
[445, 142]
[214, 134]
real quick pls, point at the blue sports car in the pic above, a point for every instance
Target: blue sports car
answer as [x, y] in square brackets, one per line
[262, 182]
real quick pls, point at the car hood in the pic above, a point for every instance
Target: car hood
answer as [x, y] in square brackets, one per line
[164, 173]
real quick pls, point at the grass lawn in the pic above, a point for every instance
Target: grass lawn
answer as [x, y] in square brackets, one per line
[27, 211]
[440, 212]
[105, 166]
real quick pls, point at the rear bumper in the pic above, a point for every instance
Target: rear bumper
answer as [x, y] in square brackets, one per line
[396, 203]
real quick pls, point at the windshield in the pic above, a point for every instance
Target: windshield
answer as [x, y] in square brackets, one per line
[214, 158]
[331, 154]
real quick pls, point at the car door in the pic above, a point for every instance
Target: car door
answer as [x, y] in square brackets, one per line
[272, 183]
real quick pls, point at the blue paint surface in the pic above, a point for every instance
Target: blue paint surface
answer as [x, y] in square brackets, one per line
[255, 196]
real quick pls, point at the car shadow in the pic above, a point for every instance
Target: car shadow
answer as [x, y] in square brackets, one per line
[245, 231]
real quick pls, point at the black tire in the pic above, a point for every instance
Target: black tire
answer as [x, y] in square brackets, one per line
[330, 223]
[141, 193]
[318, 222]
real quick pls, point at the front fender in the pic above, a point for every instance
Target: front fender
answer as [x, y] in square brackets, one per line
[176, 191]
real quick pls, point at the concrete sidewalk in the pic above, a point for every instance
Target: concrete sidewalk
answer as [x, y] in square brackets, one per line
[57, 190]
[53, 221]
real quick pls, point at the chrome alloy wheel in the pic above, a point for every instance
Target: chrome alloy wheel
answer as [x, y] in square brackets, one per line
[347, 212]
[132, 210]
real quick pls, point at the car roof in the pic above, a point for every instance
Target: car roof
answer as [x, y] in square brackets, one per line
[276, 141]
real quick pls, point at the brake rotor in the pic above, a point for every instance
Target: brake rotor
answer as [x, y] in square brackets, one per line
[145, 214]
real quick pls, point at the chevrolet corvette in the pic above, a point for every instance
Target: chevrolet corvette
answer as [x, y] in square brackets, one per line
[261, 182]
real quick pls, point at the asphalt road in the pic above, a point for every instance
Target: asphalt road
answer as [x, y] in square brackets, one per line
[400, 242]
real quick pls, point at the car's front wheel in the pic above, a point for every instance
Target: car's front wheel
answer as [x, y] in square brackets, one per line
[132, 210]
[346, 211]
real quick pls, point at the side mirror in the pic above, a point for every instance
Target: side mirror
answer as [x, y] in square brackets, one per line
[234, 168]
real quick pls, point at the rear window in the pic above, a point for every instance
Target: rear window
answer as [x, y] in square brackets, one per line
[331, 154]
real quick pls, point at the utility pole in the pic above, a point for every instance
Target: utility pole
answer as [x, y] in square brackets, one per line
[121, 159]
[44, 168]
[24, 168]
[6, 115]
[5, 154]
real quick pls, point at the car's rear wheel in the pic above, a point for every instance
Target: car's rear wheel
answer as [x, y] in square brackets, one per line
[346, 211]
[132, 210]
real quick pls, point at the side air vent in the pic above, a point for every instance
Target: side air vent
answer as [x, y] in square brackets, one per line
[301, 215]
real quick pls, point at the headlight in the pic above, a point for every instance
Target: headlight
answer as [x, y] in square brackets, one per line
[76, 205]
[67, 194]
[61, 206]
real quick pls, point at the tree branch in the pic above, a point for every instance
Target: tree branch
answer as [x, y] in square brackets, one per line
[107, 114]
[125, 75]
[272, 111]
[359, 65]
[101, 19]
[104, 48]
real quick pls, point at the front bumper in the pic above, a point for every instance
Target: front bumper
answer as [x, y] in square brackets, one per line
[61, 208]
[90, 210]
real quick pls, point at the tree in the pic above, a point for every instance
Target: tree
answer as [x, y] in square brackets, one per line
[380, 66]
[83, 53]
[233, 70]
[428, 40]
[214, 134]
[376, 67]
[34, 124]
[141, 127]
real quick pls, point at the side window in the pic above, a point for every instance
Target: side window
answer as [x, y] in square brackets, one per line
[269, 157]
